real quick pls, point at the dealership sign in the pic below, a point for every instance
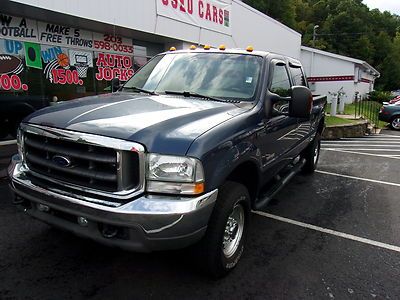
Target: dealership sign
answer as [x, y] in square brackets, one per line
[210, 14]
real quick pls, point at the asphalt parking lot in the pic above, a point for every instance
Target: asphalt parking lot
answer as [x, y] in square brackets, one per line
[332, 235]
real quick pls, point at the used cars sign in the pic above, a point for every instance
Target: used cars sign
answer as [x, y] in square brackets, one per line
[210, 14]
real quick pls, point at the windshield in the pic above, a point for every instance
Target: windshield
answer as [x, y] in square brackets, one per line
[222, 76]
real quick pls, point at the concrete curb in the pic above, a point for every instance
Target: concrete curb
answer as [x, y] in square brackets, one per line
[345, 131]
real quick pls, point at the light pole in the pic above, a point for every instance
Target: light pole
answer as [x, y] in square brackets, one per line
[313, 53]
[315, 34]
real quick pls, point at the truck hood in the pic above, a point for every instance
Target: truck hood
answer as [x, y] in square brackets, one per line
[164, 124]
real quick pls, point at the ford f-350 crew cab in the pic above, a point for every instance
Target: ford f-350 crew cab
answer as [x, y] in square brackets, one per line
[179, 155]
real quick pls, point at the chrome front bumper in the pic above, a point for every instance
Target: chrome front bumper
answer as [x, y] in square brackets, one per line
[150, 222]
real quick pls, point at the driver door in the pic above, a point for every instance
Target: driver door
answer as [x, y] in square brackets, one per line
[279, 129]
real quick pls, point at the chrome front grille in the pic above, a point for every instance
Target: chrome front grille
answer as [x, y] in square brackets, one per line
[89, 163]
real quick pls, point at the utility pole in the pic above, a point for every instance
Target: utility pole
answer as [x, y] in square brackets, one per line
[315, 34]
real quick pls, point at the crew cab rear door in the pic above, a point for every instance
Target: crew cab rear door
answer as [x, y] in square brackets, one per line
[298, 79]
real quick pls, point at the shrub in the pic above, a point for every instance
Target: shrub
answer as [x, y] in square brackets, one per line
[380, 96]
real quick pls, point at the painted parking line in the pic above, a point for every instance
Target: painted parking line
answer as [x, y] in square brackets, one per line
[379, 146]
[384, 146]
[330, 231]
[359, 178]
[6, 143]
[374, 142]
[368, 149]
[362, 153]
[391, 135]
[387, 138]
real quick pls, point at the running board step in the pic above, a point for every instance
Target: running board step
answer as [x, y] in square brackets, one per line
[263, 200]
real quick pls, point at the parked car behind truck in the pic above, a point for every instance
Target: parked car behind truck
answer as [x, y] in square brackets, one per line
[178, 156]
[390, 113]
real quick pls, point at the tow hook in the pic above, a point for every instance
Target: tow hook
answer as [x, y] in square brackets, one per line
[109, 231]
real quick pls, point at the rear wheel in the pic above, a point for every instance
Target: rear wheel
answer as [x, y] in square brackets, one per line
[223, 244]
[311, 155]
[395, 123]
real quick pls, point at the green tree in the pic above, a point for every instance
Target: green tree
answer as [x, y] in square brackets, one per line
[283, 11]
[390, 67]
[346, 27]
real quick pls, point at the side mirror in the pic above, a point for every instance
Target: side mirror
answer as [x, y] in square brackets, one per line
[301, 104]
[115, 85]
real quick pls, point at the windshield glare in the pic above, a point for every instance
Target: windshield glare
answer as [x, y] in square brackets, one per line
[223, 76]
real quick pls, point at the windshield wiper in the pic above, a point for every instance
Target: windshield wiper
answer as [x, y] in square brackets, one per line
[191, 94]
[134, 88]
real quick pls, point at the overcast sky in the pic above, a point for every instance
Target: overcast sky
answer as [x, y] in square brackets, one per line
[391, 5]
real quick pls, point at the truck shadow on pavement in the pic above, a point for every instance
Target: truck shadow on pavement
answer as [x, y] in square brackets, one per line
[281, 260]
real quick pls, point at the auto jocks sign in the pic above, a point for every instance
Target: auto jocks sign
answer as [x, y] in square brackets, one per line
[211, 14]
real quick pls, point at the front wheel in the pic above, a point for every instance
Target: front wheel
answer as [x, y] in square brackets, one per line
[223, 244]
[395, 123]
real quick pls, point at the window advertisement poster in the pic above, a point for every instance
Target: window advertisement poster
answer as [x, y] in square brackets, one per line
[211, 14]
[17, 28]
[111, 66]
[64, 36]
[57, 67]
[112, 43]
[12, 65]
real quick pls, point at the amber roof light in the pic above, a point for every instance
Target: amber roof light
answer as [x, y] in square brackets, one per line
[249, 49]
[172, 49]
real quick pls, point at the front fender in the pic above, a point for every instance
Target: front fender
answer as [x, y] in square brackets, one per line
[227, 146]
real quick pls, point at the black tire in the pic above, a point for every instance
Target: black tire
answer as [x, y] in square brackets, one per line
[311, 155]
[3, 132]
[218, 260]
[395, 123]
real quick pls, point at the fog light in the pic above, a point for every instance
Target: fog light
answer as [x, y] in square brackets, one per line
[83, 221]
[43, 208]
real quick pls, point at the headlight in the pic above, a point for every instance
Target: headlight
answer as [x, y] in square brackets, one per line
[174, 175]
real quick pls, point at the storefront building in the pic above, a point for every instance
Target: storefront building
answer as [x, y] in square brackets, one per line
[69, 49]
[330, 74]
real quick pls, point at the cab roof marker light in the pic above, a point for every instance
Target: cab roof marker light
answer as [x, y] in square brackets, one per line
[193, 47]
[249, 49]
[207, 47]
[172, 49]
[222, 47]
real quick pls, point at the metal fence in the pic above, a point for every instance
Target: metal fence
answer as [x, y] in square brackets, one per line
[368, 110]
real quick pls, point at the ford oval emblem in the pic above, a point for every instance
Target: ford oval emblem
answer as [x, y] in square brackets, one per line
[62, 161]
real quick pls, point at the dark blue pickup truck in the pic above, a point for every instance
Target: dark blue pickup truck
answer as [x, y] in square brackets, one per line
[177, 156]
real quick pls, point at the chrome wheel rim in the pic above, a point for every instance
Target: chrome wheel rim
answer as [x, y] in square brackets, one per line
[396, 123]
[233, 231]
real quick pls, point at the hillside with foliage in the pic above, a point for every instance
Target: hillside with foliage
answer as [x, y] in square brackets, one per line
[346, 27]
